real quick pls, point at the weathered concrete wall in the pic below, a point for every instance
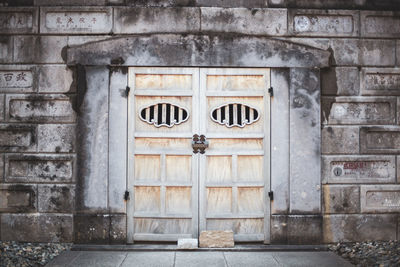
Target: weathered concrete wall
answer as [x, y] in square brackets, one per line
[52, 189]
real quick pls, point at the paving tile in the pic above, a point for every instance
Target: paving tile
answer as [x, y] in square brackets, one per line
[197, 258]
[149, 259]
[253, 259]
[64, 259]
[99, 259]
[200, 259]
[310, 259]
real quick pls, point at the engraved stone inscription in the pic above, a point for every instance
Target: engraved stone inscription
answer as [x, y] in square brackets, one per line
[77, 20]
[17, 198]
[383, 140]
[378, 199]
[6, 48]
[382, 25]
[13, 139]
[16, 138]
[361, 169]
[10, 199]
[15, 20]
[388, 81]
[382, 112]
[16, 79]
[382, 81]
[323, 24]
[20, 170]
[35, 110]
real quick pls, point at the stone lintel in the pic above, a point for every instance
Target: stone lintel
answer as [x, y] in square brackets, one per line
[197, 50]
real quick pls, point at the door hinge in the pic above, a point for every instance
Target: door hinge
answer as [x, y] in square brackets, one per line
[271, 91]
[271, 195]
[127, 90]
[126, 195]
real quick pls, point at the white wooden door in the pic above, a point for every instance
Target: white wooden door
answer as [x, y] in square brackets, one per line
[163, 171]
[176, 193]
[234, 171]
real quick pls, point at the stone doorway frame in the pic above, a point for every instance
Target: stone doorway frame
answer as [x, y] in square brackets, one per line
[101, 105]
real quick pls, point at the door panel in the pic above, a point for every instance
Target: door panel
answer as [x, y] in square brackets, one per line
[163, 171]
[234, 172]
[176, 193]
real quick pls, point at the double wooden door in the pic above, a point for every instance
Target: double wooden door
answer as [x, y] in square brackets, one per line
[177, 193]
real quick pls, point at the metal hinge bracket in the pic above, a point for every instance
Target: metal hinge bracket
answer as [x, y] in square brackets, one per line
[126, 195]
[127, 90]
[271, 195]
[271, 91]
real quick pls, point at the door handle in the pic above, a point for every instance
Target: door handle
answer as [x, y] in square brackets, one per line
[199, 144]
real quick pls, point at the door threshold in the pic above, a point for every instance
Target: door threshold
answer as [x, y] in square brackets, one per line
[164, 247]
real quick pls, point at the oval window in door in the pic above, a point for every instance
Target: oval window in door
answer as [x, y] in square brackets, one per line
[164, 114]
[235, 114]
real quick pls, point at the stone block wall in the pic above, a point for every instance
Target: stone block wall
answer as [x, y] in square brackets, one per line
[40, 108]
[360, 118]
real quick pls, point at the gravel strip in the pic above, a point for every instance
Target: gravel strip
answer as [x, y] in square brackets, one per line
[373, 253]
[16, 254]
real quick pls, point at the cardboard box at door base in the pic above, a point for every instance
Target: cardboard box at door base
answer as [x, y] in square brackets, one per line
[298, 102]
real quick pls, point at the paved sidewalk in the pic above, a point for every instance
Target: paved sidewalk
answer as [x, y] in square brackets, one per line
[197, 258]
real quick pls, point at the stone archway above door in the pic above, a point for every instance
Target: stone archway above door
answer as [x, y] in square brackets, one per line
[102, 115]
